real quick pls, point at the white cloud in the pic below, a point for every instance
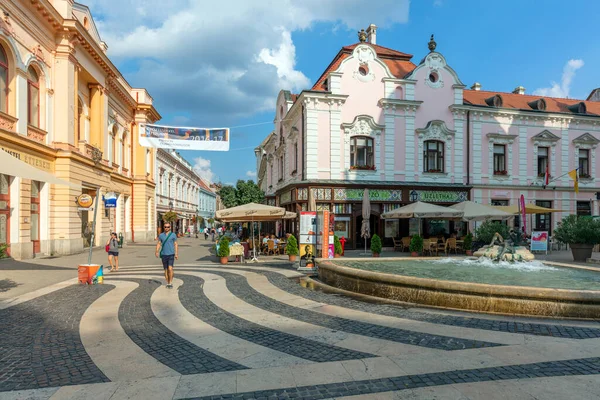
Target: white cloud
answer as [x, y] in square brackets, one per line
[251, 174]
[203, 168]
[224, 59]
[438, 3]
[562, 89]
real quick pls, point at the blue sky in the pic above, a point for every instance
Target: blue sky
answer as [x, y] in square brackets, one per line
[222, 65]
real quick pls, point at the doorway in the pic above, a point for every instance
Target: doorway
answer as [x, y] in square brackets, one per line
[374, 224]
[35, 216]
[5, 211]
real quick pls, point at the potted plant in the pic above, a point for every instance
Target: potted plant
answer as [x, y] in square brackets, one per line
[468, 243]
[291, 248]
[580, 233]
[416, 245]
[223, 251]
[376, 245]
[337, 246]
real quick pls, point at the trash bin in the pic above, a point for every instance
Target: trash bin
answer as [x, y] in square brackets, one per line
[90, 274]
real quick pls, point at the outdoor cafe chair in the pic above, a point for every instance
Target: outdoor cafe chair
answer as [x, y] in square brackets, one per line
[398, 244]
[406, 243]
[451, 245]
[270, 247]
[427, 246]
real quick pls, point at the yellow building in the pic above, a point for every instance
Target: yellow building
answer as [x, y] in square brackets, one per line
[66, 109]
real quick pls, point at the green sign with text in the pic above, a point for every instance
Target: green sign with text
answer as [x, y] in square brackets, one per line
[431, 196]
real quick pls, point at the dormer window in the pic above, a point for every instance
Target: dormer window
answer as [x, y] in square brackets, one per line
[326, 85]
[539, 104]
[494, 101]
[578, 108]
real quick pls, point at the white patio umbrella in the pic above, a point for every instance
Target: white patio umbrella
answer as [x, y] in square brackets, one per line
[249, 213]
[422, 210]
[479, 212]
[365, 229]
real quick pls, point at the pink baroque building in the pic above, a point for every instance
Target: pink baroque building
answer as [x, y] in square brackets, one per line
[407, 132]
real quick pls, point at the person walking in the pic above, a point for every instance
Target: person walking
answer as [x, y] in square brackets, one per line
[168, 250]
[113, 252]
[206, 233]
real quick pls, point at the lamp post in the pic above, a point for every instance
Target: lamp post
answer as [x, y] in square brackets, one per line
[197, 226]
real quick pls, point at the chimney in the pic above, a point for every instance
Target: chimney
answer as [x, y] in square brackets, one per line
[372, 34]
[476, 86]
[519, 90]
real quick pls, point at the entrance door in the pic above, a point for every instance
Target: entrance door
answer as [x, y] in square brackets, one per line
[35, 216]
[5, 210]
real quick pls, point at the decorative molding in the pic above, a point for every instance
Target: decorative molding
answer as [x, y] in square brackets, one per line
[38, 53]
[435, 62]
[586, 141]
[435, 130]
[408, 105]
[499, 138]
[545, 139]
[363, 125]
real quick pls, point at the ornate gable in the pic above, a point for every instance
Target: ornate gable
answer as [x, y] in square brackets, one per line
[586, 141]
[435, 130]
[363, 125]
[545, 138]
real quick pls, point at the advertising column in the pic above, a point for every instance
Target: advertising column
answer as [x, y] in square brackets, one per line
[308, 238]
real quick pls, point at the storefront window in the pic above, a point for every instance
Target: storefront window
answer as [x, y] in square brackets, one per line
[584, 208]
[543, 222]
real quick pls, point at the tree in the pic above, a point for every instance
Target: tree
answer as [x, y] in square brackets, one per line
[248, 192]
[228, 197]
[170, 216]
[244, 192]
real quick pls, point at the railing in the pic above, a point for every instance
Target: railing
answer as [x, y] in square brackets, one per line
[36, 134]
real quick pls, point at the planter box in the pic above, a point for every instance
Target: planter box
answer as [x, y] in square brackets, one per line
[581, 252]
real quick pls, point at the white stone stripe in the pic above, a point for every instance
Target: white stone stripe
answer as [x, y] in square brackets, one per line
[171, 313]
[109, 347]
[37, 293]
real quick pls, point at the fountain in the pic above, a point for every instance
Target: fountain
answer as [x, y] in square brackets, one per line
[509, 250]
[496, 282]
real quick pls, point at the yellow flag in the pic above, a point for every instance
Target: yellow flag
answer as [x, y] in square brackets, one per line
[575, 177]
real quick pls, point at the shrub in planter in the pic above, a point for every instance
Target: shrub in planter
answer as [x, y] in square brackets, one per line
[223, 251]
[3, 250]
[291, 248]
[337, 246]
[580, 233]
[416, 245]
[485, 233]
[376, 245]
[468, 243]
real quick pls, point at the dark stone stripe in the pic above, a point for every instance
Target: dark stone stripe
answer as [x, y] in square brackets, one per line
[584, 366]
[238, 285]
[195, 301]
[520, 326]
[40, 344]
[142, 326]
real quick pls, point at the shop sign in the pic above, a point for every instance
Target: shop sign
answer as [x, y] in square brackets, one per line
[342, 194]
[110, 200]
[285, 197]
[36, 162]
[85, 201]
[434, 196]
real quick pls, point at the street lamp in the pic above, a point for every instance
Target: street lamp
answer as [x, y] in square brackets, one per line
[413, 196]
[170, 205]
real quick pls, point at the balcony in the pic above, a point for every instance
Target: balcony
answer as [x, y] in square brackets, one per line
[7, 122]
[36, 134]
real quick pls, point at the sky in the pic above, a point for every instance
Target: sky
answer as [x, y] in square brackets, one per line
[222, 64]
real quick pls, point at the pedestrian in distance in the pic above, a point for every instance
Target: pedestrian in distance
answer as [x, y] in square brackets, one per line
[113, 252]
[168, 250]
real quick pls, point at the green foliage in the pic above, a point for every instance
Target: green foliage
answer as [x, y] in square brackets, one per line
[485, 233]
[3, 250]
[468, 242]
[244, 192]
[376, 244]
[578, 230]
[200, 220]
[170, 216]
[416, 244]
[223, 247]
[291, 247]
[337, 245]
[211, 221]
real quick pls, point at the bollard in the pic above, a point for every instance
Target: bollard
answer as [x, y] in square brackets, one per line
[343, 243]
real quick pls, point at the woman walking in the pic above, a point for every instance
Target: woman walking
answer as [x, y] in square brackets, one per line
[113, 252]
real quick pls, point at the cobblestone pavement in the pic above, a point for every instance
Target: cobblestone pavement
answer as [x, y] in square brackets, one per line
[401, 353]
[40, 344]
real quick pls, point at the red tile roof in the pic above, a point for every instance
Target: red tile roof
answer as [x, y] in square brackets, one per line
[520, 101]
[204, 186]
[399, 63]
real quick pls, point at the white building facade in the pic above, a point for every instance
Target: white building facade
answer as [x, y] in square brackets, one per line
[177, 190]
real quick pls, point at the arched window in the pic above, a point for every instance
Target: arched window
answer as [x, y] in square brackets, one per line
[123, 158]
[3, 81]
[33, 98]
[361, 153]
[81, 119]
[433, 156]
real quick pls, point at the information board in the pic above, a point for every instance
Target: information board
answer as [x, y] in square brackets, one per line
[539, 241]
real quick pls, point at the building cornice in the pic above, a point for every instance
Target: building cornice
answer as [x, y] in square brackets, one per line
[525, 114]
[411, 105]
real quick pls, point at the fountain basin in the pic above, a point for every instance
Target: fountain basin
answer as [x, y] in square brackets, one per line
[426, 286]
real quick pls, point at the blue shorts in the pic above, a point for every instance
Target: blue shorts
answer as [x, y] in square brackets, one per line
[168, 261]
[113, 253]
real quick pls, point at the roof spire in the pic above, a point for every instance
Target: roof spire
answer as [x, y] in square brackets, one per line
[362, 36]
[432, 44]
